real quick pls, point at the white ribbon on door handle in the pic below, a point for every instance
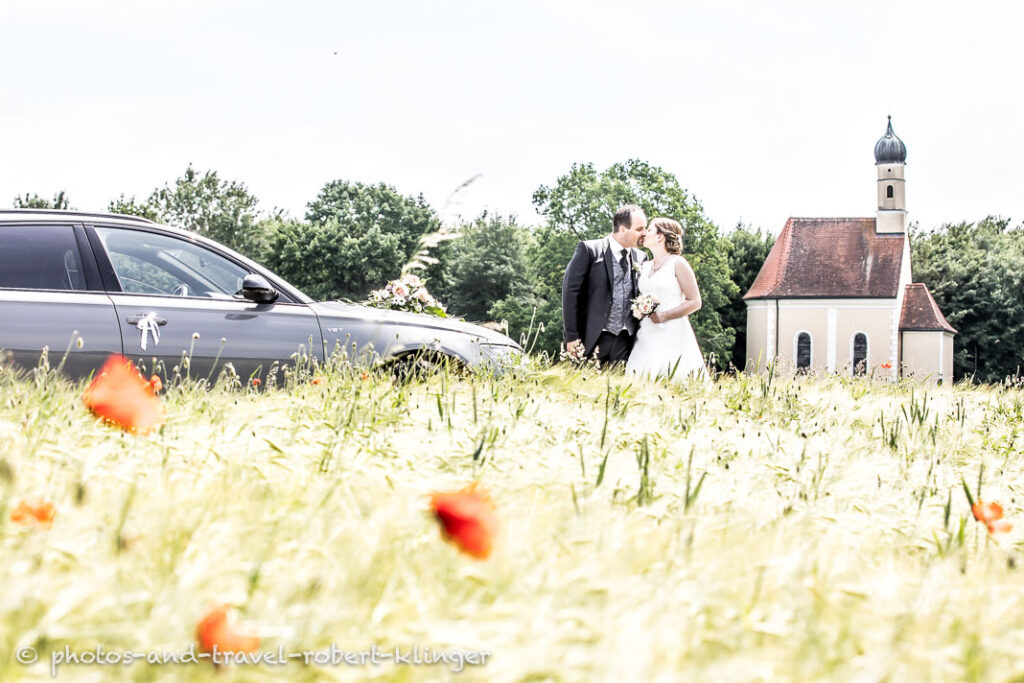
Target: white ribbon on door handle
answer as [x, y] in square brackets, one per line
[148, 326]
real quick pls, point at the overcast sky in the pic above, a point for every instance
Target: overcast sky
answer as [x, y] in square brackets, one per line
[761, 110]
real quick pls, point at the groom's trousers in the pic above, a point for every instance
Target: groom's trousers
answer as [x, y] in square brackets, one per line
[614, 348]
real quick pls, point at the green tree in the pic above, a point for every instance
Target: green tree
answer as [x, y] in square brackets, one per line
[488, 264]
[536, 316]
[327, 262]
[534, 322]
[355, 238]
[582, 203]
[130, 207]
[975, 271]
[34, 201]
[747, 253]
[357, 208]
[222, 210]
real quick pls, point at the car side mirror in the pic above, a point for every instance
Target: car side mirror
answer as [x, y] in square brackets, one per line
[256, 288]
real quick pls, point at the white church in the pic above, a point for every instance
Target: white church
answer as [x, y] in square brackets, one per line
[838, 294]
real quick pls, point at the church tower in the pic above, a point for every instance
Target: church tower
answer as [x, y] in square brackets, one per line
[890, 160]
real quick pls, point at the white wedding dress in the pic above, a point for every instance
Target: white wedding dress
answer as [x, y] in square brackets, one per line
[668, 348]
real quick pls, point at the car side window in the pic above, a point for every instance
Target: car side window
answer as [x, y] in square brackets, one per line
[40, 257]
[148, 263]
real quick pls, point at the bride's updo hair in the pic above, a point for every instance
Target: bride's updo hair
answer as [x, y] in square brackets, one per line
[673, 233]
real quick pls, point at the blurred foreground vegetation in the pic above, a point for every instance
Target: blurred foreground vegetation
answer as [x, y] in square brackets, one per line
[752, 528]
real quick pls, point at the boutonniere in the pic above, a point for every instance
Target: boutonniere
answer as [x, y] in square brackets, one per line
[636, 267]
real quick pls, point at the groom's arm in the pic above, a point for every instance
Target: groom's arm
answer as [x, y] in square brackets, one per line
[573, 282]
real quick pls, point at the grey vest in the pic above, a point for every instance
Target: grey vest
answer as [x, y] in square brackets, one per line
[622, 288]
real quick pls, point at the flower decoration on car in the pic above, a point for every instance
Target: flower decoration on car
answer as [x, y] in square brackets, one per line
[407, 293]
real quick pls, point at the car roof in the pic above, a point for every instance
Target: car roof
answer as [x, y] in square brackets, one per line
[9, 215]
[63, 216]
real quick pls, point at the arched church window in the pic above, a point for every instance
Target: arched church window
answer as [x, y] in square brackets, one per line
[860, 353]
[888, 192]
[803, 351]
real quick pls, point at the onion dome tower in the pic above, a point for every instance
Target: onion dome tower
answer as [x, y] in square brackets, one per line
[890, 160]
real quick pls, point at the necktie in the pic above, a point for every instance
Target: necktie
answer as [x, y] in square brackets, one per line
[623, 261]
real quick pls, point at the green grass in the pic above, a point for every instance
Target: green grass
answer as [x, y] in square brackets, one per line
[747, 529]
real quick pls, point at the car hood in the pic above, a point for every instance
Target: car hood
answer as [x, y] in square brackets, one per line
[340, 311]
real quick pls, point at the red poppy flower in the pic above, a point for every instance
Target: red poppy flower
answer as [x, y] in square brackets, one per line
[467, 519]
[991, 515]
[887, 365]
[36, 514]
[216, 629]
[364, 375]
[256, 381]
[317, 380]
[119, 394]
[156, 383]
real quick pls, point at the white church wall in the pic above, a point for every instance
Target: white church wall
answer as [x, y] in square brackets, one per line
[947, 357]
[831, 324]
[927, 355]
[757, 338]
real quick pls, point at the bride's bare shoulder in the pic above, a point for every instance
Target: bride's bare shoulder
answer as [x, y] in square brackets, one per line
[681, 264]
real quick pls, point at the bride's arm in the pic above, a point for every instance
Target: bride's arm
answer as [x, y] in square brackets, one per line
[688, 285]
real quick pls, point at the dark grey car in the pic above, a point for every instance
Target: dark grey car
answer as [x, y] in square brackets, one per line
[128, 285]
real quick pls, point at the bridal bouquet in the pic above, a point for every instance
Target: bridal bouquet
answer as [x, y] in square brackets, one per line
[644, 305]
[407, 293]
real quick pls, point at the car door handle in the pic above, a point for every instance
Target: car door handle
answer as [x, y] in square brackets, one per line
[139, 317]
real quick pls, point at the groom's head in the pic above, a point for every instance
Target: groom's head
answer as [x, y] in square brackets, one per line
[628, 225]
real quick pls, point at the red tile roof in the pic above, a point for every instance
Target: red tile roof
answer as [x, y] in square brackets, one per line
[833, 258]
[920, 312]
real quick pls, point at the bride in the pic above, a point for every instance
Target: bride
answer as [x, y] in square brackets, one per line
[665, 343]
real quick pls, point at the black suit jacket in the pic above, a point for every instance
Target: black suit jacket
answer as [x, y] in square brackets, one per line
[587, 291]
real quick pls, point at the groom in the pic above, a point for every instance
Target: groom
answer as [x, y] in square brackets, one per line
[599, 284]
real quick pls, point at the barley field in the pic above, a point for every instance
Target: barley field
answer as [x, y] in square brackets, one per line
[750, 528]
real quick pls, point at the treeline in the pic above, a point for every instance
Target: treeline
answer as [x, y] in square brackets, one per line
[975, 271]
[354, 237]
